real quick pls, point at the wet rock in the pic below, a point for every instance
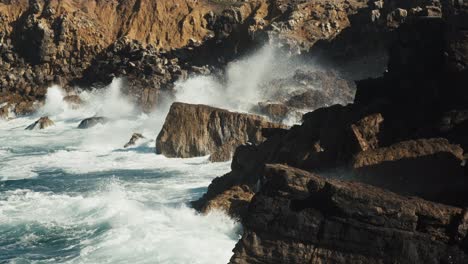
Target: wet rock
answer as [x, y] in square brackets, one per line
[43, 123]
[299, 217]
[234, 201]
[135, 137]
[92, 121]
[199, 130]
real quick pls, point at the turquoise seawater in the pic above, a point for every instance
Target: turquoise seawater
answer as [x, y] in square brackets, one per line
[77, 196]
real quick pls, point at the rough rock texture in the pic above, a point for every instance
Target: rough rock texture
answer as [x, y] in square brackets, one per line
[367, 131]
[92, 121]
[45, 42]
[42, 123]
[199, 130]
[428, 168]
[135, 137]
[299, 217]
[411, 102]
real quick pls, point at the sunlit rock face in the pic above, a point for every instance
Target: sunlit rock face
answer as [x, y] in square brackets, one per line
[199, 130]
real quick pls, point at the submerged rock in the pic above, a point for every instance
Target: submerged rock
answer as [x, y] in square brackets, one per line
[42, 123]
[199, 130]
[92, 121]
[135, 137]
[300, 217]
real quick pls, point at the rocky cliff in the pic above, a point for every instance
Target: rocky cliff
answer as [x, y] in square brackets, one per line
[155, 43]
[404, 133]
[199, 130]
[299, 217]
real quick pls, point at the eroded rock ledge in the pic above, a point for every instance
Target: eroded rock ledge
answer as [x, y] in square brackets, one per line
[200, 130]
[299, 217]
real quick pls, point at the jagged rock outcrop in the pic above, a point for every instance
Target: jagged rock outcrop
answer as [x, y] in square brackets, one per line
[199, 130]
[42, 123]
[92, 121]
[135, 137]
[404, 111]
[299, 217]
[90, 42]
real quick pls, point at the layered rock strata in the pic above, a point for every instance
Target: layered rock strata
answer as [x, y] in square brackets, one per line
[299, 217]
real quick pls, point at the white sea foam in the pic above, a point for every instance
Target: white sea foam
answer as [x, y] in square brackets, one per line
[141, 217]
[138, 232]
[242, 87]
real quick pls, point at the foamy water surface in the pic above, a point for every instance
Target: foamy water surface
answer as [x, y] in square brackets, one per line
[77, 196]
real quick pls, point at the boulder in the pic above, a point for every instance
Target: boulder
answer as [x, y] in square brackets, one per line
[41, 123]
[135, 137]
[92, 121]
[429, 168]
[200, 130]
[300, 217]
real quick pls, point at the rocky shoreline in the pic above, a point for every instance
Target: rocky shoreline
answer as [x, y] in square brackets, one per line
[378, 179]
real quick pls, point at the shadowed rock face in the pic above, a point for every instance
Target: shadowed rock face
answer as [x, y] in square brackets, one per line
[92, 121]
[43, 123]
[428, 168]
[299, 217]
[199, 130]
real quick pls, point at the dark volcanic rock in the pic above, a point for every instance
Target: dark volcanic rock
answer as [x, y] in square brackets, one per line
[299, 217]
[199, 130]
[428, 168]
[92, 121]
[42, 123]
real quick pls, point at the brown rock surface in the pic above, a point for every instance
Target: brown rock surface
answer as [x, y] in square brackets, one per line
[366, 132]
[428, 168]
[299, 217]
[42, 123]
[135, 137]
[64, 42]
[199, 130]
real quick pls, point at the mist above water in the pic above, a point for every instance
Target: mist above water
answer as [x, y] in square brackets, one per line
[243, 84]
